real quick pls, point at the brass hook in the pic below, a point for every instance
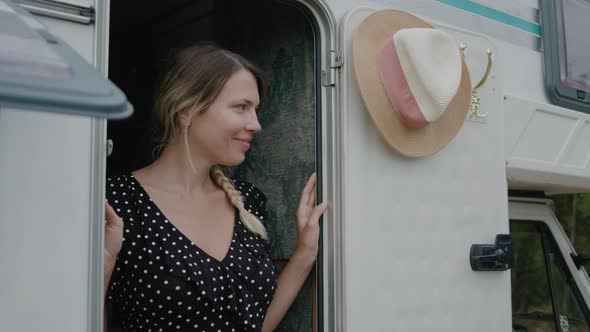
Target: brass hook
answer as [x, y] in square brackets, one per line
[463, 47]
[475, 101]
[487, 73]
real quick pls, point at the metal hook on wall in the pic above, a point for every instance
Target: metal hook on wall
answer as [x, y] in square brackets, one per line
[475, 101]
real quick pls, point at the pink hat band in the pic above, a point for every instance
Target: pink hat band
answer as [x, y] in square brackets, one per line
[420, 70]
[396, 86]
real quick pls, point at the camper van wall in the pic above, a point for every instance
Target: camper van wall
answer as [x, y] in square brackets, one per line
[51, 207]
[452, 199]
[515, 31]
[396, 240]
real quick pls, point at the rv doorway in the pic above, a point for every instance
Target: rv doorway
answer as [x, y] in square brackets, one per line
[277, 36]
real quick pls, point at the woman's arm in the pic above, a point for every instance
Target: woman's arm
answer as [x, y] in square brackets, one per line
[288, 285]
[108, 271]
[296, 271]
[113, 241]
[112, 247]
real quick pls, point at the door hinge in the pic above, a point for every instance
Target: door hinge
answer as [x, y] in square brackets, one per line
[109, 147]
[329, 75]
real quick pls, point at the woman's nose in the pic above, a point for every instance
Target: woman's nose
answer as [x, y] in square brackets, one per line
[254, 125]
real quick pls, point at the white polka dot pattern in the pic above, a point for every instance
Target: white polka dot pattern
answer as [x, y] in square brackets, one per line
[164, 282]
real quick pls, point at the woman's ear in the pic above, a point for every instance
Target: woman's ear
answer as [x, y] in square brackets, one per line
[184, 120]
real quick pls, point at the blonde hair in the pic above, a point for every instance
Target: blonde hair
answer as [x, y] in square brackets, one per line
[195, 78]
[234, 196]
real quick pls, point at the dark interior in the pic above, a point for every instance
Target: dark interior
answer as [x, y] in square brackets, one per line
[277, 36]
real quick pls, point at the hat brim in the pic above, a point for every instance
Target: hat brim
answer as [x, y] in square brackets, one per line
[428, 140]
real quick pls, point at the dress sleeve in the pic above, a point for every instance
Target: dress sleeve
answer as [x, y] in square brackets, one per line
[255, 203]
[120, 194]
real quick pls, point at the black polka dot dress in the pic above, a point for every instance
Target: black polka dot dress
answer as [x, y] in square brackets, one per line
[164, 282]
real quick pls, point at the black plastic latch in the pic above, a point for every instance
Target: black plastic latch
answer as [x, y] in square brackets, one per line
[492, 257]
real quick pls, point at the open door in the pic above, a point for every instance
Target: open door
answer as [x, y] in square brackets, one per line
[53, 110]
[282, 38]
[408, 224]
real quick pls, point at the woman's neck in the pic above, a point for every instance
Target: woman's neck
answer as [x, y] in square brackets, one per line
[173, 172]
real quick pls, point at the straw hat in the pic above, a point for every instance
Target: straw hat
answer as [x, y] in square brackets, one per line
[413, 80]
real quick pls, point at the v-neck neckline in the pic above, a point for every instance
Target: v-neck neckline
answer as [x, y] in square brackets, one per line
[157, 209]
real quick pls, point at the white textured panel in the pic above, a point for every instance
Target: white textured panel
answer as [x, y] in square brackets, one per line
[578, 150]
[45, 165]
[544, 136]
[44, 228]
[530, 3]
[522, 70]
[520, 9]
[409, 223]
[442, 12]
[79, 36]
[547, 147]
[79, 3]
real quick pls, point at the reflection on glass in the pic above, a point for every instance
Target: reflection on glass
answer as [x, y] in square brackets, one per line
[577, 44]
[570, 315]
[573, 213]
[532, 310]
[543, 292]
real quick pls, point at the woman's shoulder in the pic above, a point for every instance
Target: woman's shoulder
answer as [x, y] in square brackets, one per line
[119, 187]
[254, 198]
[121, 182]
[248, 190]
[121, 195]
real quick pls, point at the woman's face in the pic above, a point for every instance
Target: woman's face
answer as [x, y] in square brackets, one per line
[223, 133]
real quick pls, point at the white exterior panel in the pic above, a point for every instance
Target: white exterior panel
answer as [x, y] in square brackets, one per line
[44, 221]
[51, 169]
[522, 81]
[547, 147]
[408, 224]
[79, 36]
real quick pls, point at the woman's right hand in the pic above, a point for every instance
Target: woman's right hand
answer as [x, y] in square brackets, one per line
[113, 238]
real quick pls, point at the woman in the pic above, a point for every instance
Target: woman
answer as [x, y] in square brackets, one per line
[186, 247]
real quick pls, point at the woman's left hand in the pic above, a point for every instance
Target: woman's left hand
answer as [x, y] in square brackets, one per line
[308, 215]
